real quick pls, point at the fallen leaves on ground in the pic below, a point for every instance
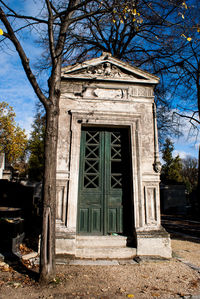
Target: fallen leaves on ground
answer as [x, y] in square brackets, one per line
[5, 267]
[24, 249]
[155, 294]
[194, 283]
[1, 282]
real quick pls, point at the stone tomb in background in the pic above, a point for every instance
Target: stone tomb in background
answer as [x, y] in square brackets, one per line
[108, 202]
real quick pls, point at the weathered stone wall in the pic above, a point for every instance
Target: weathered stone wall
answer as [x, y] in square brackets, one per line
[74, 99]
[124, 104]
[105, 94]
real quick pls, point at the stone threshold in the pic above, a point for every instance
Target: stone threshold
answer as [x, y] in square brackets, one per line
[98, 262]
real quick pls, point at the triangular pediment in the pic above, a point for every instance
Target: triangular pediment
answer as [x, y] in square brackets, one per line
[108, 68]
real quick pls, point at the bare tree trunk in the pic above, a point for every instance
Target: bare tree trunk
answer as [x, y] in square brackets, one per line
[199, 173]
[198, 104]
[47, 253]
[198, 184]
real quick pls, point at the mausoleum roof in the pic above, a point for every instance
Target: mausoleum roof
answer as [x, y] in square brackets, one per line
[108, 68]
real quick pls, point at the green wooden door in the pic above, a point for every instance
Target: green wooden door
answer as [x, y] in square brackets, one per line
[103, 177]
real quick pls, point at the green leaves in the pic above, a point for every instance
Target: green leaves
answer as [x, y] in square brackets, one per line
[171, 169]
[36, 146]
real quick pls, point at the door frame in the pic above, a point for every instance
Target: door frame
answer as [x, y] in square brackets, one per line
[122, 195]
[107, 119]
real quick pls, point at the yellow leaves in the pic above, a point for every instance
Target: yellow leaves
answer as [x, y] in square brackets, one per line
[130, 296]
[188, 38]
[182, 15]
[13, 139]
[136, 15]
[125, 13]
[140, 21]
[185, 5]
[136, 20]
[1, 31]
[134, 12]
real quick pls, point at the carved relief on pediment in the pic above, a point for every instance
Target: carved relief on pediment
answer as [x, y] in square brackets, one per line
[105, 70]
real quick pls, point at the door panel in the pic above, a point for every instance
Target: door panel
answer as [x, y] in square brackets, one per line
[90, 183]
[103, 171]
[96, 220]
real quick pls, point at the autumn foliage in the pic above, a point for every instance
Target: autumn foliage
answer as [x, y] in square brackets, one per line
[13, 140]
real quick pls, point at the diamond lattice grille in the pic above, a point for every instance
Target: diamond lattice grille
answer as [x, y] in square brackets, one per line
[91, 167]
[116, 160]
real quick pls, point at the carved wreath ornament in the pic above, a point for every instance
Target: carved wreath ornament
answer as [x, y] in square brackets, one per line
[108, 70]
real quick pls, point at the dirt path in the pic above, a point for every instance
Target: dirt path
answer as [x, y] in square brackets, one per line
[148, 279]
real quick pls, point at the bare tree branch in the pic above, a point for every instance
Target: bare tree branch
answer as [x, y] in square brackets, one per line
[191, 118]
[25, 61]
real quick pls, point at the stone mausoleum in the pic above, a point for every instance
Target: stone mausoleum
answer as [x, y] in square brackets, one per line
[108, 202]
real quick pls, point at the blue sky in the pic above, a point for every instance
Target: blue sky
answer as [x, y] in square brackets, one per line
[17, 91]
[14, 86]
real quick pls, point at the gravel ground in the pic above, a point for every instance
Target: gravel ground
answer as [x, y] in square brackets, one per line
[189, 251]
[148, 279]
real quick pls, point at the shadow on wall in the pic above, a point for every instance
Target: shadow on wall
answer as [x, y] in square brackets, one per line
[20, 218]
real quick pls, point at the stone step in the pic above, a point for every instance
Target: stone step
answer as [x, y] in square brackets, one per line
[100, 241]
[98, 247]
[65, 246]
[109, 253]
